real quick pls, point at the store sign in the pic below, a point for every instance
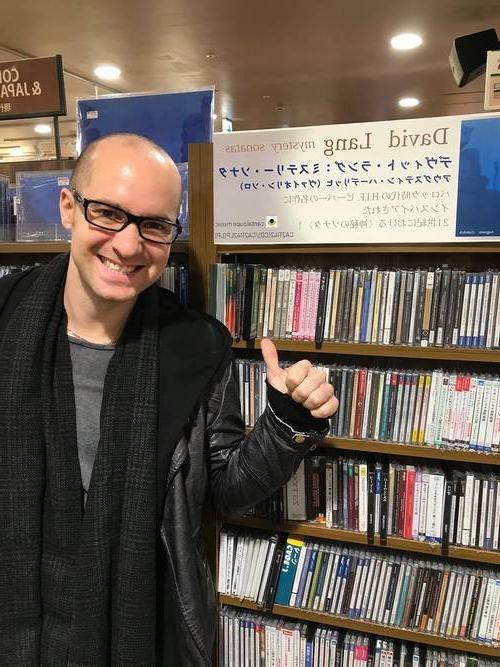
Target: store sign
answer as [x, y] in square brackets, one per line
[408, 181]
[32, 88]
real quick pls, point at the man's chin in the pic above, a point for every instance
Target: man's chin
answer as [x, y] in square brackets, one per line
[117, 294]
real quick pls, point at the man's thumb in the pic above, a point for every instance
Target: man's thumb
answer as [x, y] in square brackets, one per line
[269, 354]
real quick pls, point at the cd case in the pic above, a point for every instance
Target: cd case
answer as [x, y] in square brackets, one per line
[37, 195]
[172, 120]
[183, 211]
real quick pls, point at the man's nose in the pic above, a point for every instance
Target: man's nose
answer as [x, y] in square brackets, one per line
[128, 242]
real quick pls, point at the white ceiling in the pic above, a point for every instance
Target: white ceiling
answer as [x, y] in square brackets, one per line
[300, 62]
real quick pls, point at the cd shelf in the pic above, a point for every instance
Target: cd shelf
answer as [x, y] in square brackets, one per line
[473, 256]
[459, 248]
[465, 255]
[368, 626]
[419, 451]
[318, 530]
[441, 454]
[373, 350]
[33, 247]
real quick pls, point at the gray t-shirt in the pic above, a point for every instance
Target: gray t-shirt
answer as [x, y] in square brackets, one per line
[90, 363]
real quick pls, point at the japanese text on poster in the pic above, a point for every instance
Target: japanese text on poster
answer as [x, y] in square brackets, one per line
[385, 182]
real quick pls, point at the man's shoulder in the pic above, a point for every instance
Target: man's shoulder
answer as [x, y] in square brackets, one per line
[25, 275]
[15, 285]
[205, 327]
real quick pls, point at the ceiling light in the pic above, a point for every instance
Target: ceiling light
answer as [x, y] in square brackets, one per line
[408, 102]
[17, 151]
[210, 56]
[107, 72]
[43, 128]
[214, 116]
[406, 41]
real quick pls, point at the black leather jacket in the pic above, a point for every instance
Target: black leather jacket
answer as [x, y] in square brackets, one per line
[214, 456]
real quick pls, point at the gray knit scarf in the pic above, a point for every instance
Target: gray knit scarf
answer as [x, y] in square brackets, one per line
[75, 588]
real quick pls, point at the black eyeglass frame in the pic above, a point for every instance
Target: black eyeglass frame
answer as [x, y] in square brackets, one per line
[130, 218]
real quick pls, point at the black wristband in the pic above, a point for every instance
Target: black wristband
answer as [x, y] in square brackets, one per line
[292, 413]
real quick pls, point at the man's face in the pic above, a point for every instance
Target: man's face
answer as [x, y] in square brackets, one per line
[118, 266]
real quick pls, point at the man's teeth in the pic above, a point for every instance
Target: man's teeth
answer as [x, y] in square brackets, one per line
[117, 267]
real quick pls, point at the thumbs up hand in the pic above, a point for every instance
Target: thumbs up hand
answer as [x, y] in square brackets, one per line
[302, 382]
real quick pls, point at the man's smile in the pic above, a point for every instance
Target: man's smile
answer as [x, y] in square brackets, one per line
[119, 268]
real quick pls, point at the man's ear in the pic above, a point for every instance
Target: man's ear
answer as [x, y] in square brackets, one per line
[66, 208]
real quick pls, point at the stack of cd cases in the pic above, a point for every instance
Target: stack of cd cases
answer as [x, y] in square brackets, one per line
[37, 195]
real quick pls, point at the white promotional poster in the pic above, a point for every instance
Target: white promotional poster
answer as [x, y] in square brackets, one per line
[492, 82]
[427, 180]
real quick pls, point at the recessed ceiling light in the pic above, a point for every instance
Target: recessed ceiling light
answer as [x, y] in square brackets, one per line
[406, 41]
[280, 107]
[266, 97]
[210, 56]
[108, 72]
[409, 102]
[43, 128]
[16, 151]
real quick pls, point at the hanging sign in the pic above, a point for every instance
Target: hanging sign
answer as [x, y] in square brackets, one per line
[32, 88]
[427, 180]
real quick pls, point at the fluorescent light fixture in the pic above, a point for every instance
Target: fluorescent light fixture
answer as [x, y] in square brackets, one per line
[408, 102]
[406, 41]
[43, 128]
[108, 72]
[17, 151]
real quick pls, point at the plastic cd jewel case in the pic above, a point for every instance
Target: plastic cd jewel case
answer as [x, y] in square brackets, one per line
[37, 209]
[183, 212]
[172, 120]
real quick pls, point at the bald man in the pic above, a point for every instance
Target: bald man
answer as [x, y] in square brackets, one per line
[120, 416]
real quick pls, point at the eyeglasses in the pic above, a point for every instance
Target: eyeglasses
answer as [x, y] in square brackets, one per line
[114, 219]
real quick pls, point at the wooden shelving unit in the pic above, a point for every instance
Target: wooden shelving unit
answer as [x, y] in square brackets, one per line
[367, 349]
[467, 255]
[31, 247]
[311, 529]
[412, 451]
[369, 627]
[458, 248]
